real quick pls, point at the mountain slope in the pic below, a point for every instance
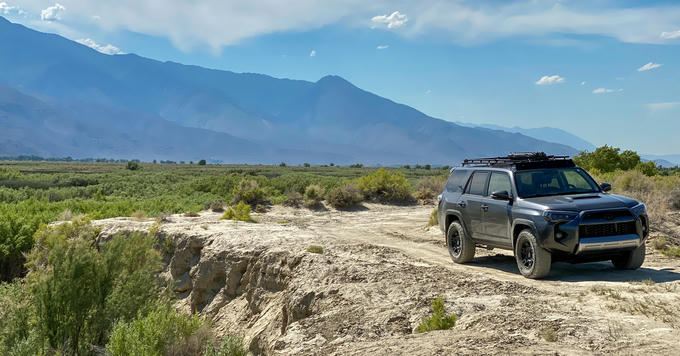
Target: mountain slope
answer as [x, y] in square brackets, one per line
[297, 121]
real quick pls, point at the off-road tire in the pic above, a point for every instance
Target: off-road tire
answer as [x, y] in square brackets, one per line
[460, 245]
[532, 260]
[630, 259]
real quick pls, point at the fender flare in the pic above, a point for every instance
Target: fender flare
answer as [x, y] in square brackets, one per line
[522, 222]
[458, 215]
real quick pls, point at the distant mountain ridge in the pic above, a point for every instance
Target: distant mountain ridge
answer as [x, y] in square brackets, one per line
[550, 134]
[250, 118]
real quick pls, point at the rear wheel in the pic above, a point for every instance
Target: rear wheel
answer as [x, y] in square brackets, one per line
[631, 259]
[532, 260]
[461, 248]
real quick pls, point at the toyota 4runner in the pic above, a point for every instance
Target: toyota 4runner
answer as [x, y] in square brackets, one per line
[543, 208]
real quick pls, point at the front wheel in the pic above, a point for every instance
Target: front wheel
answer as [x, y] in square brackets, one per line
[532, 260]
[631, 259]
[460, 245]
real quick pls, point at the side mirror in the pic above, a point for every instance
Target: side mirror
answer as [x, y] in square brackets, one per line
[605, 187]
[501, 195]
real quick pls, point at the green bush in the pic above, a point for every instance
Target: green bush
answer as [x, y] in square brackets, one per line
[155, 334]
[7, 173]
[437, 320]
[609, 159]
[80, 289]
[202, 162]
[17, 332]
[434, 218]
[313, 196]
[344, 197]
[133, 166]
[240, 212]
[249, 192]
[385, 187]
[315, 249]
[231, 345]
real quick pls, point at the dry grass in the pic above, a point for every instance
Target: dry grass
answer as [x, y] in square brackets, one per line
[428, 188]
[139, 215]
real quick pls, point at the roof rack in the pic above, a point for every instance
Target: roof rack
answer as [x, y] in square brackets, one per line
[522, 160]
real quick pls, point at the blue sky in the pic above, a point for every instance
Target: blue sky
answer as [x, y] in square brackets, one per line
[469, 61]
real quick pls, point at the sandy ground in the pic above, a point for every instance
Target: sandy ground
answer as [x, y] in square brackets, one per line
[381, 268]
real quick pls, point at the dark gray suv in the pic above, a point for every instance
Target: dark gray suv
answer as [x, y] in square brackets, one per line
[544, 208]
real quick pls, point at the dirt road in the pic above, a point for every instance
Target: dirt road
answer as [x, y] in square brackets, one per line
[380, 270]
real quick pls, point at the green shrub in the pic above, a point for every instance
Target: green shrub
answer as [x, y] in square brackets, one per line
[17, 333]
[7, 173]
[240, 212]
[155, 334]
[202, 162]
[434, 218]
[608, 159]
[385, 187]
[344, 197]
[231, 345]
[313, 196]
[133, 166]
[437, 320]
[315, 249]
[80, 288]
[249, 192]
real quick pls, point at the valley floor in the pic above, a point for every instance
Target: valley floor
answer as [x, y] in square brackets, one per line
[379, 272]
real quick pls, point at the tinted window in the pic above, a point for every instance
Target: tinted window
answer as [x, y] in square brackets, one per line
[556, 181]
[456, 181]
[477, 183]
[499, 182]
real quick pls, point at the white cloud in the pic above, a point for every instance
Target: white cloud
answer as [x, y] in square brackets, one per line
[312, 53]
[196, 24]
[583, 82]
[649, 66]
[6, 9]
[52, 13]
[383, 47]
[605, 91]
[394, 20]
[663, 106]
[108, 49]
[550, 80]
[670, 35]
[428, 91]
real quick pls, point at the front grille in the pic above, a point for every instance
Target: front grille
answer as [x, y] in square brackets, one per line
[608, 229]
[606, 215]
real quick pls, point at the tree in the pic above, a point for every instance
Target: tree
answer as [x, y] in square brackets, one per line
[607, 159]
[201, 162]
[132, 165]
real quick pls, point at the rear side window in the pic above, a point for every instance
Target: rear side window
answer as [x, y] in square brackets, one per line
[477, 183]
[499, 182]
[456, 182]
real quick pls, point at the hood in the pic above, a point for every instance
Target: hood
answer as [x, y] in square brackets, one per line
[579, 202]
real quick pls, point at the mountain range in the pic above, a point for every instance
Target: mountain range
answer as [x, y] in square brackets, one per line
[59, 98]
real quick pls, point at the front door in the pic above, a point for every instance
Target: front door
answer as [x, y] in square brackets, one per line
[496, 213]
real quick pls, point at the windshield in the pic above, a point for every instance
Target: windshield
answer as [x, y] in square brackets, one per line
[554, 181]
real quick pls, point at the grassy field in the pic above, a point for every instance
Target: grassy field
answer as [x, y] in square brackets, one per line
[35, 193]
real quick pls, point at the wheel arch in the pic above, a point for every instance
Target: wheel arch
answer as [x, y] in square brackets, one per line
[518, 226]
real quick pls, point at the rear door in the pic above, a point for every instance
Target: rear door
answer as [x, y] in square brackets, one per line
[496, 213]
[471, 203]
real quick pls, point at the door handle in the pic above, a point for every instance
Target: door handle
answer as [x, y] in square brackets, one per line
[485, 207]
[462, 204]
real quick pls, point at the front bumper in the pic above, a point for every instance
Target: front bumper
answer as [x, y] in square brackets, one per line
[565, 238]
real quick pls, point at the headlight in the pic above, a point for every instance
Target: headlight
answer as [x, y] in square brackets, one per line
[639, 209]
[560, 216]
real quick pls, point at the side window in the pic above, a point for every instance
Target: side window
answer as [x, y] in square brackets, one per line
[499, 182]
[477, 183]
[455, 182]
